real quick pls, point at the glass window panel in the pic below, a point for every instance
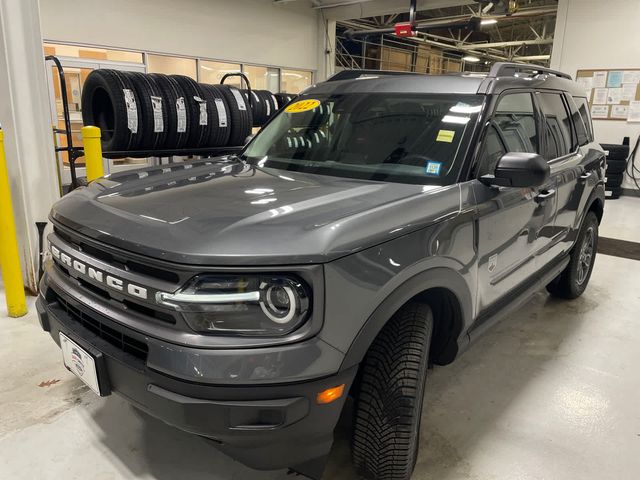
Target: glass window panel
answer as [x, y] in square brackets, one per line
[557, 125]
[172, 65]
[515, 118]
[263, 78]
[92, 53]
[212, 72]
[294, 81]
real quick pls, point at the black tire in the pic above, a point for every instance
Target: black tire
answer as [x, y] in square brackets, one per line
[616, 152]
[104, 105]
[614, 192]
[572, 282]
[220, 127]
[177, 131]
[616, 166]
[240, 115]
[390, 396]
[270, 104]
[258, 107]
[197, 111]
[153, 121]
[283, 99]
[614, 179]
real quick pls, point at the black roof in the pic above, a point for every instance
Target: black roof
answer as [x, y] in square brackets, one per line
[503, 76]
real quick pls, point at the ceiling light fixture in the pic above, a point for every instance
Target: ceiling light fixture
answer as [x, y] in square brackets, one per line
[488, 21]
[470, 59]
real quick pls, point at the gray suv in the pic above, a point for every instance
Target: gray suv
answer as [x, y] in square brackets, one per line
[376, 226]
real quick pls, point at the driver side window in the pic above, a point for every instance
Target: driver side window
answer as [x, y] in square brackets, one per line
[513, 128]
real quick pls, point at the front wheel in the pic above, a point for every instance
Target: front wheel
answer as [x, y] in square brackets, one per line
[389, 402]
[572, 282]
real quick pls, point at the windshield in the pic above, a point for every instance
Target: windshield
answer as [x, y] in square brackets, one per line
[408, 138]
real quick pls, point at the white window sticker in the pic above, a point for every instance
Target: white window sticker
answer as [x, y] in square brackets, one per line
[222, 113]
[132, 110]
[182, 115]
[239, 99]
[203, 110]
[158, 123]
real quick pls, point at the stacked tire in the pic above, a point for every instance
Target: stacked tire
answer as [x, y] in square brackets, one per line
[616, 166]
[147, 112]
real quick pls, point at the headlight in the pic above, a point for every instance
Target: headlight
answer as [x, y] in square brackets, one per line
[242, 305]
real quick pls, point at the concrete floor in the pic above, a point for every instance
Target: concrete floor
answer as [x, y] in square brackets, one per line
[616, 221]
[550, 393]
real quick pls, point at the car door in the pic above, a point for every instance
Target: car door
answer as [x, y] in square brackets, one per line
[510, 220]
[576, 172]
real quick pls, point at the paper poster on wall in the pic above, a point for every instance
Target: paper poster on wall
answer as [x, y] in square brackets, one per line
[600, 96]
[585, 83]
[599, 79]
[614, 96]
[630, 77]
[615, 79]
[629, 91]
[600, 111]
[634, 111]
[620, 111]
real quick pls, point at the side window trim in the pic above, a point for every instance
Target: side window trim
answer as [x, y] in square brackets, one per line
[543, 123]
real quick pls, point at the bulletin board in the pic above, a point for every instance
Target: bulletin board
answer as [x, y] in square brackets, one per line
[613, 94]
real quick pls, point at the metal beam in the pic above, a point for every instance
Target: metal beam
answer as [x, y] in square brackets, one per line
[514, 43]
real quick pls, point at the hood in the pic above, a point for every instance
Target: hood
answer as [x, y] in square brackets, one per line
[225, 212]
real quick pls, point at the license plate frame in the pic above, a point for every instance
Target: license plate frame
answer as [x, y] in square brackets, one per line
[81, 363]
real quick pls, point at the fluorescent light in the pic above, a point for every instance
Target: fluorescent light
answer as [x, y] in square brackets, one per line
[488, 21]
[455, 119]
[470, 59]
[464, 108]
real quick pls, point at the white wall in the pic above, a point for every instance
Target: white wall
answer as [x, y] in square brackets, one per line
[251, 31]
[593, 34]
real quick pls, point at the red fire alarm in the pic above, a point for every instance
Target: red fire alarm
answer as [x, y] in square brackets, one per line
[404, 29]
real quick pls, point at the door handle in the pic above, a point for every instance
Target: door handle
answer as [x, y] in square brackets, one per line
[585, 175]
[541, 197]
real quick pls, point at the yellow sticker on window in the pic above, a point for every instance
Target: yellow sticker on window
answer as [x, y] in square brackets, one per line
[302, 106]
[445, 136]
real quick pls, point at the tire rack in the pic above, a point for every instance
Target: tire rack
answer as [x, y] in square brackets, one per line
[77, 152]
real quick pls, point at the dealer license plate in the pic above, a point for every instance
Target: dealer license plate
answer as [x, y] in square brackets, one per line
[79, 362]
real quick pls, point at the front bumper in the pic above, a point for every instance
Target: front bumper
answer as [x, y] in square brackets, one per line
[263, 426]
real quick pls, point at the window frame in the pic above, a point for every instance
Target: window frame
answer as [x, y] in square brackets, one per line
[562, 93]
[488, 121]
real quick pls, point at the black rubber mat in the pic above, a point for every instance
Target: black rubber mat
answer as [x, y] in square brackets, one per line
[619, 248]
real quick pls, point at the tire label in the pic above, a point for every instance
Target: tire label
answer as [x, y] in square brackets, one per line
[182, 115]
[203, 110]
[275, 103]
[222, 113]
[268, 104]
[132, 110]
[158, 123]
[255, 95]
[239, 99]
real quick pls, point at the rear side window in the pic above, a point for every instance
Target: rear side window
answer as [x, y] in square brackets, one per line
[579, 127]
[583, 108]
[557, 125]
[515, 119]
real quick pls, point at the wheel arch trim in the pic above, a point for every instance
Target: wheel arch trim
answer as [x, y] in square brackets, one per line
[437, 277]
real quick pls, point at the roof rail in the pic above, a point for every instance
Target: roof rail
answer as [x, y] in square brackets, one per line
[353, 74]
[507, 69]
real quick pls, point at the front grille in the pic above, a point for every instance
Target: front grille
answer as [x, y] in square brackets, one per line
[123, 263]
[118, 339]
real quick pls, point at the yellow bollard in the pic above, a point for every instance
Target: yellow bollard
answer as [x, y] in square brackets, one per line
[92, 152]
[9, 256]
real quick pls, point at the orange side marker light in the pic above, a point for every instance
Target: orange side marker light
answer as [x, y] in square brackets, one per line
[330, 395]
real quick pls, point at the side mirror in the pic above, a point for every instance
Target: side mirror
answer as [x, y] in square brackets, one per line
[519, 169]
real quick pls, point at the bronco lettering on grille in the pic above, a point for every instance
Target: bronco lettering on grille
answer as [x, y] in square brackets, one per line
[98, 276]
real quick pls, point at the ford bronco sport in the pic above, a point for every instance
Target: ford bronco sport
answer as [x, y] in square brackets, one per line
[374, 227]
